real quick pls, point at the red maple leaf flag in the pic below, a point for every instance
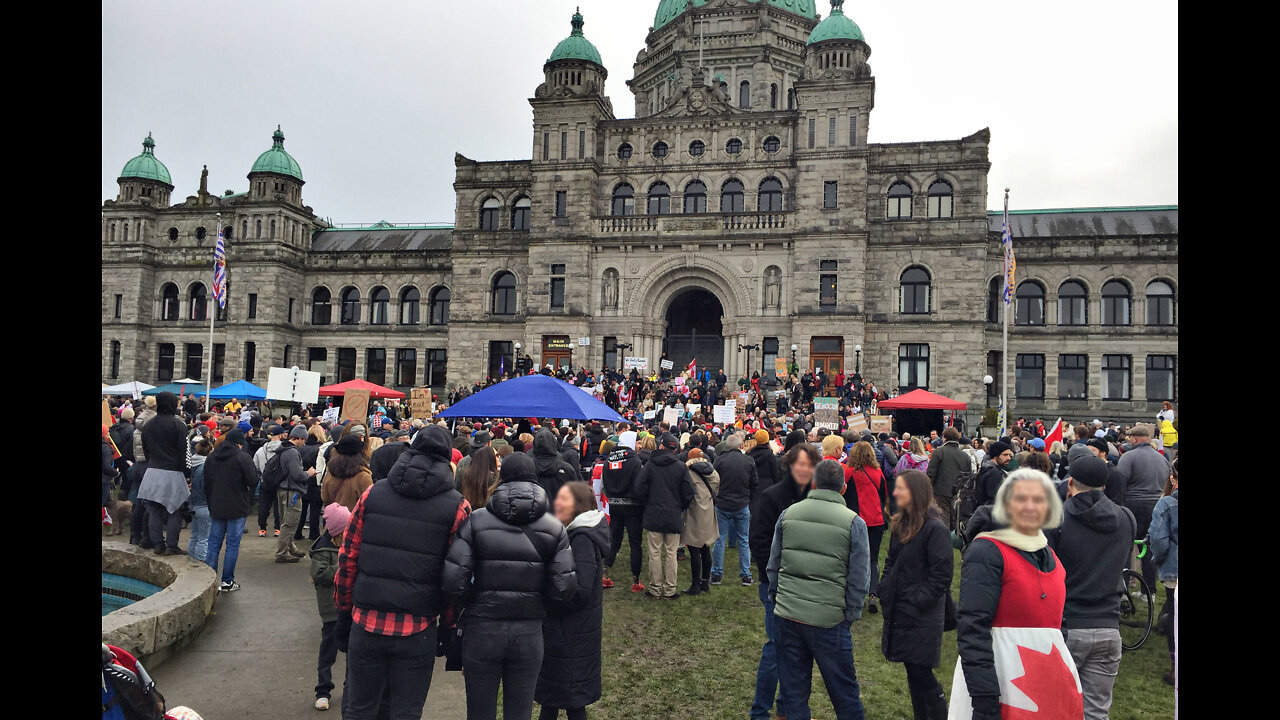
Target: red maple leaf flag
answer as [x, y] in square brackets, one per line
[1050, 684]
[1055, 435]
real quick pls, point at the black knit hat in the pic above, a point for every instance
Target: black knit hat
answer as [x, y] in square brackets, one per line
[997, 449]
[1088, 471]
[350, 444]
[517, 467]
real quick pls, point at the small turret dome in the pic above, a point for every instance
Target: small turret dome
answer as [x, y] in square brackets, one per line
[146, 166]
[276, 160]
[836, 26]
[576, 47]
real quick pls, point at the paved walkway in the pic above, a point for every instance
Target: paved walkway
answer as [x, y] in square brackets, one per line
[256, 657]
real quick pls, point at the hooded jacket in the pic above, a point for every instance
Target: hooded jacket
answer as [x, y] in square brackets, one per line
[324, 565]
[551, 469]
[912, 461]
[384, 457]
[510, 558]
[573, 629]
[768, 467]
[738, 481]
[404, 523]
[1093, 543]
[945, 465]
[295, 479]
[346, 477]
[990, 476]
[618, 478]
[139, 452]
[164, 443]
[663, 485]
[229, 479]
[701, 528]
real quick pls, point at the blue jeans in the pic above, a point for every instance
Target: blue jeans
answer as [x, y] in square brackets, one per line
[799, 646]
[232, 529]
[737, 523]
[767, 672]
[198, 543]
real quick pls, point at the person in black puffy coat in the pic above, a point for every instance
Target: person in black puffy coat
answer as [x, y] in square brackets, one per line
[507, 561]
[551, 468]
[571, 634]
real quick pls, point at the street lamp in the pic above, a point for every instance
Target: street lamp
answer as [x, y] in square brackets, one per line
[519, 366]
[857, 355]
[794, 367]
[622, 348]
[748, 348]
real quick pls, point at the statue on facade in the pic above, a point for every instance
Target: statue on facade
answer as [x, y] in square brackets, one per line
[772, 287]
[610, 289]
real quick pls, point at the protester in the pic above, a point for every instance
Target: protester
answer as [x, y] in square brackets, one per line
[738, 483]
[291, 482]
[229, 479]
[148, 412]
[915, 590]
[164, 486]
[700, 526]
[915, 458]
[108, 465]
[663, 484]
[381, 459]
[768, 470]
[553, 471]
[1012, 592]
[388, 608]
[797, 465]
[569, 677]
[347, 473]
[947, 463]
[819, 592]
[198, 543]
[992, 473]
[505, 564]
[324, 566]
[1163, 537]
[868, 496]
[1144, 472]
[275, 438]
[626, 510]
[481, 477]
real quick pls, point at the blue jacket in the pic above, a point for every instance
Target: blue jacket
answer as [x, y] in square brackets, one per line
[198, 498]
[1164, 536]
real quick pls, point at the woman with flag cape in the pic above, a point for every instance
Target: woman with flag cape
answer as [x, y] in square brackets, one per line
[1014, 663]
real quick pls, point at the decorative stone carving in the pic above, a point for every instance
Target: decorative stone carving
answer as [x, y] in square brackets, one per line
[772, 287]
[609, 290]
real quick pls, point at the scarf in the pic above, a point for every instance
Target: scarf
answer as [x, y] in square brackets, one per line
[1016, 540]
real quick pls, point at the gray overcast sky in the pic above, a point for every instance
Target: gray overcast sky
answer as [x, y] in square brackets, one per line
[375, 97]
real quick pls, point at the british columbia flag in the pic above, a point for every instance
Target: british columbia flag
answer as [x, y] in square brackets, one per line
[220, 271]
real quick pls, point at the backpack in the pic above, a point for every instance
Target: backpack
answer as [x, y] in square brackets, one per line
[128, 692]
[117, 437]
[965, 494]
[273, 474]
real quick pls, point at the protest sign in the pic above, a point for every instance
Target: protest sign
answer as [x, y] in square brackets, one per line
[294, 385]
[106, 414]
[420, 402]
[881, 423]
[780, 367]
[857, 422]
[355, 406]
[666, 364]
[826, 413]
[639, 363]
[679, 380]
[671, 416]
[330, 415]
[724, 414]
[650, 414]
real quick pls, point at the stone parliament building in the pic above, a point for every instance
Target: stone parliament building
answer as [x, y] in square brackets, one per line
[742, 205]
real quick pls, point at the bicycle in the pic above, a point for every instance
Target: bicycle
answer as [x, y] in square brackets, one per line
[1137, 605]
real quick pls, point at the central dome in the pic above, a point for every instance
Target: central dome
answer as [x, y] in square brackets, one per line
[576, 46]
[276, 160]
[670, 9]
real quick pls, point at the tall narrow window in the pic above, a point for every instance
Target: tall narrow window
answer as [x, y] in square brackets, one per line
[831, 132]
[1029, 308]
[770, 199]
[273, 229]
[791, 100]
[732, 197]
[379, 302]
[1073, 377]
[501, 358]
[169, 302]
[813, 123]
[773, 96]
[582, 144]
[1160, 369]
[1115, 303]
[564, 145]
[288, 352]
[940, 200]
[346, 364]
[610, 352]
[659, 199]
[320, 309]
[440, 306]
[289, 315]
[406, 366]
[409, 301]
[219, 363]
[695, 197]
[250, 359]
[853, 130]
[318, 362]
[744, 95]
[164, 371]
[913, 366]
[1159, 303]
[562, 203]
[437, 365]
[624, 200]
[489, 214]
[375, 365]
[195, 360]
[349, 313]
[119, 305]
[827, 283]
[899, 201]
[1115, 377]
[1029, 377]
[504, 294]
[830, 193]
[253, 306]
[115, 359]
[557, 293]
[546, 145]
[199, 301]
[993, 301]
[914, 292]
[1073, 304]
[520, 214]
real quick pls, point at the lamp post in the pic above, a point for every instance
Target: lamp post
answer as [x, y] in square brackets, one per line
[622, 348]
[749, 348]
[519, 366]
[794, 367]
[857, 360]
[987, 380]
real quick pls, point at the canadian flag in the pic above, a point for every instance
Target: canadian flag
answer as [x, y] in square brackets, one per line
[1055, 435]
[693, 367]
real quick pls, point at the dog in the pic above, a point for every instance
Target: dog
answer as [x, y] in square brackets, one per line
[119, 510]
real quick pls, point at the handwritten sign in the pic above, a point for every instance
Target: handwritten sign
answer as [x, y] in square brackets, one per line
[671, 416]
[881, 423]
[420, 402]
[678, 381]
[666, 365]
[826, 412]
[724, 414]
[330, 415]
[650, 414]
[355, 405]
[779, 367]
[639, 363]
[857, 422]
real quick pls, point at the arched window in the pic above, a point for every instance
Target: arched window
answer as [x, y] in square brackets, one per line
[169, 302]
[259, 229]
[199, 302]
[744, 94]
[173, 234]
[489, 214]
[1159, 303]
[273, 229]
[770, 199]
[349, 313]
[440, 306]
[321, 312]
[659, 199]
[520, 214]
[695, 197]
[1115, 303]
[244, 228]
[1073, 304]
[1029, 309]
[940, 200]
[379, 301]
[899, 205]
[993, 300]
[624, 200]
[409, 301]
[125, 238]
[914, 292]
[504, 294]
[773, 96]
[731, 197]
[791, 98]
[226, 231]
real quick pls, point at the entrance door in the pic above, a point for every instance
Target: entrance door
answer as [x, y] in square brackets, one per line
[557, 352]
[827, 354]
[693, 331]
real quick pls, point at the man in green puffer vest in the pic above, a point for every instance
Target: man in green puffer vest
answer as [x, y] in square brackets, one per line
[819, 589]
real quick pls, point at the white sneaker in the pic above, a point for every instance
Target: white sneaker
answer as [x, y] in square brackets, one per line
[322, 703]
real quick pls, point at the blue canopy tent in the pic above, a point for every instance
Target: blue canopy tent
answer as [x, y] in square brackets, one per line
[179, 388]
[240, 389]
[535, 396]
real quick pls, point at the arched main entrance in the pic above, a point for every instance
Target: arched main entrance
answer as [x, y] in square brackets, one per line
[694, 330]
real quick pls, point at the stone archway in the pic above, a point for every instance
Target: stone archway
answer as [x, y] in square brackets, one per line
[694, 329]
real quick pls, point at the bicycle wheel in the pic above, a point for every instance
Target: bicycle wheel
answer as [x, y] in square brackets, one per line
[1137, 611]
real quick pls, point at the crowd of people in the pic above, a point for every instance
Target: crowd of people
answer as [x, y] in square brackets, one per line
[493, 543]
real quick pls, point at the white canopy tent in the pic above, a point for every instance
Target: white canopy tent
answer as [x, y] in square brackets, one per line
[129, 388]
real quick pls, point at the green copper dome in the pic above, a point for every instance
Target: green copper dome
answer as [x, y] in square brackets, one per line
[836, 26]
[276, 160]
[576, 47]
[146, 166]
[670, 9]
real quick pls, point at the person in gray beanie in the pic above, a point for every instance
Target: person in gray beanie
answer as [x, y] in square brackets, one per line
[292, 485]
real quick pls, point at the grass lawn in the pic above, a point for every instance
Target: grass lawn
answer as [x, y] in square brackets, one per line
[695, 658]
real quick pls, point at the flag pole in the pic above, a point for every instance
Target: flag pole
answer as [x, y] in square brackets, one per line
[213, 314]
[1004, 354]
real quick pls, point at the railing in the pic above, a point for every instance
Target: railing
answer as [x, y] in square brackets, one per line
[755, 221]
[681, 222]
[628, 223]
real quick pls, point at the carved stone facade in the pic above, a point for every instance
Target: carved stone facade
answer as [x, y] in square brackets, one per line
[799, 228]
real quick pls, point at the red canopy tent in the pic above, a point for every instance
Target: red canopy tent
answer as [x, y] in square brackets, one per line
[375, 391]
[916, 399]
